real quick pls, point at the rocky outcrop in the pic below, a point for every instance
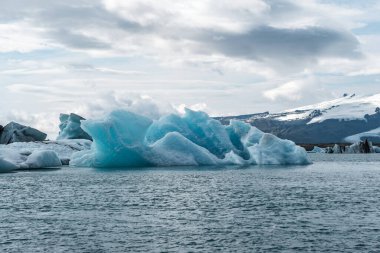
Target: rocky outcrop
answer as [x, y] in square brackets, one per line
[14, 132]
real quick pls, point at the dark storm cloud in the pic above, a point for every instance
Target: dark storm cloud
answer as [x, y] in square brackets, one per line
[283, 44]
[279, 8]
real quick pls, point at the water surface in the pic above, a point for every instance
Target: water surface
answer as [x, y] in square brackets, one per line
[331, 205]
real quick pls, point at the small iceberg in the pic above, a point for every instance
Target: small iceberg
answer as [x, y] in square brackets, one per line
[43, 154]
[70, 127]
[126, 139]
[7, 166]
[317, 149]
[42, 159]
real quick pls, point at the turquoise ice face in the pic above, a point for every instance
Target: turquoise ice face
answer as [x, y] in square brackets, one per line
[126, 139]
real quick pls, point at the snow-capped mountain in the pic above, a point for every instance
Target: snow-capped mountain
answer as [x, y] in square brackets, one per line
[348, 107]
[346, 119]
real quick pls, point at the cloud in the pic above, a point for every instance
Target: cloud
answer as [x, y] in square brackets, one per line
[280, 34]
[137, 103]
[284, 47]
[277, 34]
[96, 107]
[77, 40]
[218, 15]
[296, 90]
[289, 91]
[45, 122]
[234, 56]
[195, 107]
[21, 37]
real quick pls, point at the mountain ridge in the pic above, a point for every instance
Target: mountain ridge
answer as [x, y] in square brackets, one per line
[326, 122]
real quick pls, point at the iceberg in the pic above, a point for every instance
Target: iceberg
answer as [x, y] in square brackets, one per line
[14, 132]
[317, 149]
[6, 166]
[30, 155]
[70, 127]
[355, 148]
[360, 147]
[42, 159]
[126, 139]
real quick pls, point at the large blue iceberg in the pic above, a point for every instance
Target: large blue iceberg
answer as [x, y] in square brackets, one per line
[126, 139]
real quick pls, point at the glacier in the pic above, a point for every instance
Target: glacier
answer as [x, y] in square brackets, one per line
[317, 149]
[372, 135]
[126, 139]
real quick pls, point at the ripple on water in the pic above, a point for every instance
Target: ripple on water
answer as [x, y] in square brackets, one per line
[331, 205]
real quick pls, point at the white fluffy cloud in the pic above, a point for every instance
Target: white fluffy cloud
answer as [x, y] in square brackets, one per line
[290, 91]
[21, 37]
[236, 16]
[269, 33]
[225, 57]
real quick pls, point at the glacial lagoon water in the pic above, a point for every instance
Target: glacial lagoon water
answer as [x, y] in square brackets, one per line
[332, 205]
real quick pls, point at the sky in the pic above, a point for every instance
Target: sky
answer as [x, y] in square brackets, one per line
[222, 57]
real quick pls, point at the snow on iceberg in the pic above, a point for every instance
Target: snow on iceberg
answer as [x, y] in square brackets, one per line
[42, 159]
[29, 155]
[126, 139]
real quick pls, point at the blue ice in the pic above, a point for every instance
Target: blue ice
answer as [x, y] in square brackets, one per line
[126, 139]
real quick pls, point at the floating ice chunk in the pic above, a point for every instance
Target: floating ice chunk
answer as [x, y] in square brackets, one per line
[126, 139]
[317, 149]
[22, 153]
[360, 147]
[42, 159]
[275, 151]
[6, 166]
[70, 127]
